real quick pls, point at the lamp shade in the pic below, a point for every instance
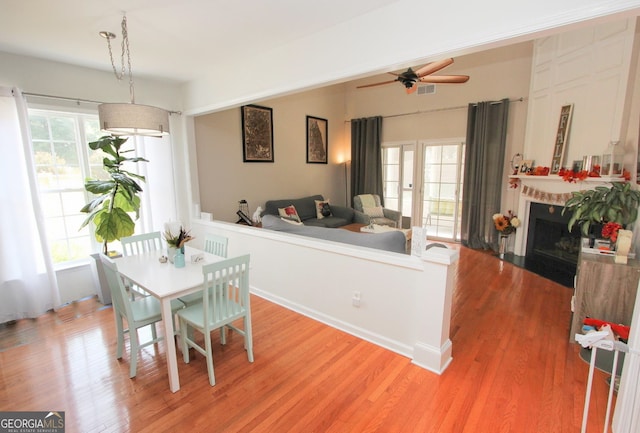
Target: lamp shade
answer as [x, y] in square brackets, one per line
[133, 119]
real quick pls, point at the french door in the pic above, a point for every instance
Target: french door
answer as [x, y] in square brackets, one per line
[436, 167]
[441, 192]
[398, 164]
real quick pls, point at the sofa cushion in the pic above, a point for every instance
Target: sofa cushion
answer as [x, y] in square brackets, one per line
[323, 209]
[289, 212]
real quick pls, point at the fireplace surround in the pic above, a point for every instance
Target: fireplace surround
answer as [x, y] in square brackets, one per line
[538, 195]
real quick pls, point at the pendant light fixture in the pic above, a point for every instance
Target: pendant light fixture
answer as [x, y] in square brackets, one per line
[130, 118]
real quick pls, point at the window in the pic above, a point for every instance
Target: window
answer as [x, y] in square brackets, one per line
[62, 162]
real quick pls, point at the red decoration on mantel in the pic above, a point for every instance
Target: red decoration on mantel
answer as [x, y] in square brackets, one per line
[571, 176]
[539, 171]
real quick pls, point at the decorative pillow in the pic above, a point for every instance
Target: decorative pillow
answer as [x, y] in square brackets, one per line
[289, 212]
[374, 212]
[323, 209]
[292, 221]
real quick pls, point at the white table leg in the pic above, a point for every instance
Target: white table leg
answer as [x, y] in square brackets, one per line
[172, 359]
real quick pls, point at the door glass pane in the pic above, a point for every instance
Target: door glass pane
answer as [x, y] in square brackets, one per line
[441, 190]
[407, 181]
[391, 177]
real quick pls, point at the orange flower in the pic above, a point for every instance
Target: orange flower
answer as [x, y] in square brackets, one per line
[501, 223]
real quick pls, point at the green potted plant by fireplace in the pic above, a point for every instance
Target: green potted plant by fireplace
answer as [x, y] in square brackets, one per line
[596, 211]
[114, 198]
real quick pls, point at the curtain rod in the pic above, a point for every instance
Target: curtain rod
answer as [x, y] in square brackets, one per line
[76, 100]
[62, 98]
[434, 110]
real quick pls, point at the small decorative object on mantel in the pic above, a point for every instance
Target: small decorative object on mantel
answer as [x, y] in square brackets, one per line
[612, 160]
[561, 138]
[506, 225]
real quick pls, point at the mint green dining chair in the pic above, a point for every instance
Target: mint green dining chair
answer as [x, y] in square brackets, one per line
[138, 244]
[213, 244]
[138, 313]
[224, 300]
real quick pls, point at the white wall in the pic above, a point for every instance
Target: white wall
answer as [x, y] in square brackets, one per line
[405, 301]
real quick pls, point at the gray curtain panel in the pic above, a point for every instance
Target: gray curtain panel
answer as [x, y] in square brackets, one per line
[366, 157]
[484, 164]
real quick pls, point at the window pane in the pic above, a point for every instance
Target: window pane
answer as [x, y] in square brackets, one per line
[39, 127]
[51, 204]
[391, 155]
[63, 128]
[66, 153]
[73, 202]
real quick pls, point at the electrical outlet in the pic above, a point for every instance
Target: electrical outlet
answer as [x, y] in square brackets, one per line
[355, 299]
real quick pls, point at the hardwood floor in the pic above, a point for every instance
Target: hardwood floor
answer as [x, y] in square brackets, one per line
[513, 370]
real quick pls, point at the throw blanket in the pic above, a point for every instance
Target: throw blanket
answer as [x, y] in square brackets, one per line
[367, 200]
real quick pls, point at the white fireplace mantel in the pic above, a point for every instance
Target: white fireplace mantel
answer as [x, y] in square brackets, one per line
[552, 190]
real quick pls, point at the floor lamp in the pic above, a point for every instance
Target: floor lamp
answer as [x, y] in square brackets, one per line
[346, 183]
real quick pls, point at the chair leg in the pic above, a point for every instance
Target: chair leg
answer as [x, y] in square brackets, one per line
[133, 354]
[183, 339]
[223, 335]
[120, 331]
[248, 338]
[207, 345]
[154, 332]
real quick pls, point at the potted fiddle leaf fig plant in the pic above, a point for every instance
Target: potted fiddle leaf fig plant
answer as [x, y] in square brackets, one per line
[615, 204]
[114, 198]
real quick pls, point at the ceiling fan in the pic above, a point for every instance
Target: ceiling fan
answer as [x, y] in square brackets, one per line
[411, 78]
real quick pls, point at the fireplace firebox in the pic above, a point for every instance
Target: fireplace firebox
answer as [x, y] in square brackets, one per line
[552, 251]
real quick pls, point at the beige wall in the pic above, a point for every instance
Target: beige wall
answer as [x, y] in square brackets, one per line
[224, 179]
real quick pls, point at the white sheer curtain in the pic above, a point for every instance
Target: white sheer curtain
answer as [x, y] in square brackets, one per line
[158, 196]
[28, 285]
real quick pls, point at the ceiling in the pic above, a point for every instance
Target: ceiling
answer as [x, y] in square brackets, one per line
[167, 37]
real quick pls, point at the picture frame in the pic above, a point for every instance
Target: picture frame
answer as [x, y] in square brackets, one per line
[257, 133]
[317, 140]
[526, 165]
[562, 134]
[576, 166]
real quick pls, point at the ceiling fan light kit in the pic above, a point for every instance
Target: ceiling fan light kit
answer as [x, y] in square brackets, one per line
[410, 78]
[126, 119]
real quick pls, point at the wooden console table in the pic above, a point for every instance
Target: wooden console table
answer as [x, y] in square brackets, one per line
[604, 290]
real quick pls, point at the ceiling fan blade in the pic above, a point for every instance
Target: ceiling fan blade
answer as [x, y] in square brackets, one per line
[433, 67]
[444, 79]
[376, 84]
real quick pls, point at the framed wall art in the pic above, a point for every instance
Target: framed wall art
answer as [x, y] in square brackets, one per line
[561, 138]
[317, 140]
[257, 133]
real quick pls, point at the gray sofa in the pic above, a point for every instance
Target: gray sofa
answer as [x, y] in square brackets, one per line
[306, 208]
[394, 241]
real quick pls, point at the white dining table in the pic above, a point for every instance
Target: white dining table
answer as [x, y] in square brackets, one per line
[166, 282]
